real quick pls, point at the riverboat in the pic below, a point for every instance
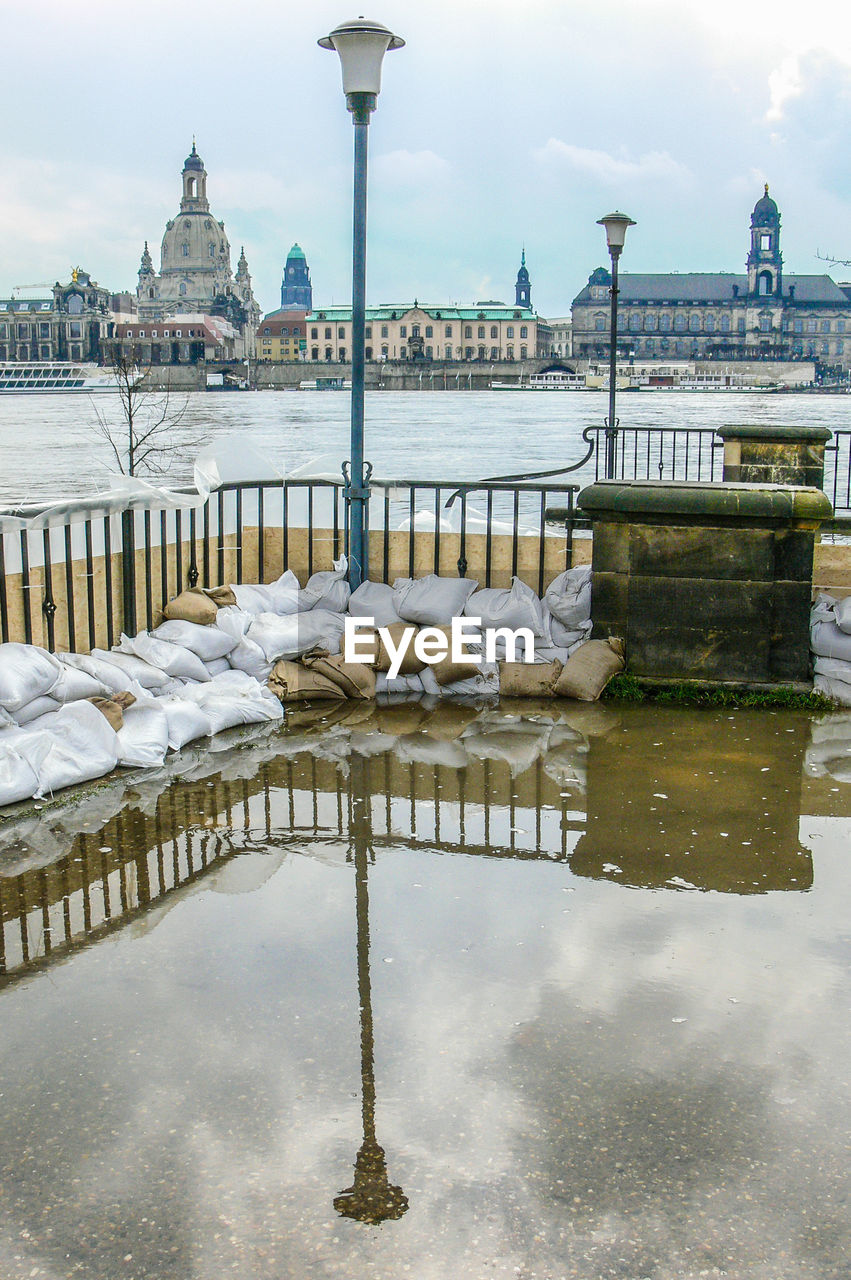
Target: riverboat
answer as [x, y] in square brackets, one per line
[40, 378]
[325, 384]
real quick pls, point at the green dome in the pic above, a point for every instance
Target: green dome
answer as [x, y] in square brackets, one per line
[295, 252]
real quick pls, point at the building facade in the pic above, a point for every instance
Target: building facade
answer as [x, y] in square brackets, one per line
[765, 314]
[296, 289]
[195, 275]
[183, 339]
[282, 337]
[66, 322]
[490, 331]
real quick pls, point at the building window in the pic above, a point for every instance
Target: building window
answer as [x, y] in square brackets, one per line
[725, 323]
[825, 326]
[481, 355]
[182, 290]
[75, 329]
[384, 351]
[665, 323]
[510, 353]
[403, 331]
[314, 333]
[468, 331]
[740, 324]
[799, 326]
[429, 353]
[285, 329]
[384, 331]
[367, 333]
[23, 331]
[679, 322]
[635, 321]
[45, 352]
[494, 331]
[447, 352]
[447, 331]
[185, 249]
[481, 330]
[267, 330]
[341, 333]
[811, 326]
[415, 331]
[522, 353]
[327, 334]
[600, 323]
[141, 333]
[709, 324]
[650, 321]
[212, 249]
[494, 353]
[327, 353]
[509, 332]
[403, 354]
[765, 241]
[524, 331]
[765, 324]
[468, 353]
[44, 330]
[429, 331]
[694, 323]
[314, 353]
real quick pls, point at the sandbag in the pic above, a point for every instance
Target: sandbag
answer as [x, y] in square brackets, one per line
[79, 746]
[528, 679]
[374, 600]
[356, 679]
[292, 682]
[327, 589]
[568, 597]
[217, 666]
[221, 597]
[143, 738]
[842, 613]
[249, 658]
[74, 684]
[35, 709]
[107, 674]
[446, 670]
[133, 668]
[207, 643]
[483, 685]
[18, 779]
[234, 621]
[569, 637]
[513, 608]
[377, 654]
[289, 637]
[173, 659]
[827, 640]
[587, 671]
[399, 684]
[26, 672]
[278, 597]
[192, 605]
[226, 711]
[432, 600]
[187, 721]
[110, 708]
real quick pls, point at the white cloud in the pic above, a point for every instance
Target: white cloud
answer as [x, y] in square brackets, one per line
[784, 83]
[411, 168]
[609, 169]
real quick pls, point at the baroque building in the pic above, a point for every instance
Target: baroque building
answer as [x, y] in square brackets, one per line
[281, 337]
[766, 314]
[195, 275]
[66, 322]
[296, 289]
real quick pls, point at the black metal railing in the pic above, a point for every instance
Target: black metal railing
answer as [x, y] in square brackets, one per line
[837, 472]
[661, 453]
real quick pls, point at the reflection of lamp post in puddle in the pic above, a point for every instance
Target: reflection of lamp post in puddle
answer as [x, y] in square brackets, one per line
[371, 1198]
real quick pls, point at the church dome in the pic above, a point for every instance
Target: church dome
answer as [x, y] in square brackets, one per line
[765, 213]
[193, 160]
[296, 252]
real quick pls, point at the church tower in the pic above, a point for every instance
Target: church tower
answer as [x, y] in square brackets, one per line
[194, 184]
[296, 289]
[765, 263]
[523, 289]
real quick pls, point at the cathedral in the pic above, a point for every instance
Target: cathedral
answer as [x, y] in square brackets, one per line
[195, 276]
[766, 314]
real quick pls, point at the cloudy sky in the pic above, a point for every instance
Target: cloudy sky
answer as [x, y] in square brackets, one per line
[500, 124]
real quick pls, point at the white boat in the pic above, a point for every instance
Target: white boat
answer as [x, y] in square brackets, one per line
[325, 384]
[38, 378]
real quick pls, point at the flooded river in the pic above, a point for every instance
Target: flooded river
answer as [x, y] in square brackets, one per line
[541, 992]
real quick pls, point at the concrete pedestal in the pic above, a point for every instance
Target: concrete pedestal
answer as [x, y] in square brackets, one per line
[705, 582]
[774, 455]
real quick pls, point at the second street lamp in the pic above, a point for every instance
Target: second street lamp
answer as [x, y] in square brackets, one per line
[361, 45]
[616, 225]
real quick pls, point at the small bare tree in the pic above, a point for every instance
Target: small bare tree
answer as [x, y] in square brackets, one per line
[143, 440]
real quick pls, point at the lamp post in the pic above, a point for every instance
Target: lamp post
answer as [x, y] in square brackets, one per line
[361, 45]
[616, 225]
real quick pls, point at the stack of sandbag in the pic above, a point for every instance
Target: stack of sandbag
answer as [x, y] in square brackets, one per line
[830, 642]
[829, 752]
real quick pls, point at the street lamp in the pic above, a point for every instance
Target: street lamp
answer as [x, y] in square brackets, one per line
[616, 225]
[361, 45]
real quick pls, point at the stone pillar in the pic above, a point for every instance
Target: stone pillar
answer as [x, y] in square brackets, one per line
[774, 455]
[705, 581]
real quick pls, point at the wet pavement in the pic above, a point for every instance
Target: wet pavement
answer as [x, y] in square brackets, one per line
[542, 991]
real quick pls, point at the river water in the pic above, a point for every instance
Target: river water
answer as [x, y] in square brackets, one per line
[545, 991]
[50, 446]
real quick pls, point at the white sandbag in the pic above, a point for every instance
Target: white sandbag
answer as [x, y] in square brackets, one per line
[828, 641]
[18, 779]
[399, 684]
[432, 601]
[74, 684]
[327, 589]
[26, 672]
[568, 597]
[35, 709]
[207, 643]
[173, 659]
[569, 637]
[234, 621]
[512, 608]
[80, 745]
[419, 748]
[374, 600]
[484, 684]
[143, 738]
[843, 615]
[824, 608]
[226, 709]
[112, 677]
[135, 668]
[542, 650]
[288, 637]
[276, 597]
[217, 665]
[832, 729]
[249, 658]
[187, 721]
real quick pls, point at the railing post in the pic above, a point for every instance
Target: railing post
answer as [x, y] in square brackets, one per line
[128, 572]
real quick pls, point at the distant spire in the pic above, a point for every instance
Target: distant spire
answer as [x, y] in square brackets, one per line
[766, 188]
[147, 265]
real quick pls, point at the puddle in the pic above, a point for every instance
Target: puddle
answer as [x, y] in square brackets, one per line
[531, 992]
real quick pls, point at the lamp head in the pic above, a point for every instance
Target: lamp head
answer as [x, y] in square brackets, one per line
[616, 225]
[361, 45]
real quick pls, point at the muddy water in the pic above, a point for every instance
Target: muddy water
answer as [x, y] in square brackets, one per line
[465, 994]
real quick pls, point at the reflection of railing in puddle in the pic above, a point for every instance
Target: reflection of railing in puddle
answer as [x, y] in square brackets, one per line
[671, 799]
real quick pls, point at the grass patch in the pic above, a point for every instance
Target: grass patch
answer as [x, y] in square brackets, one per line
[627, 688]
